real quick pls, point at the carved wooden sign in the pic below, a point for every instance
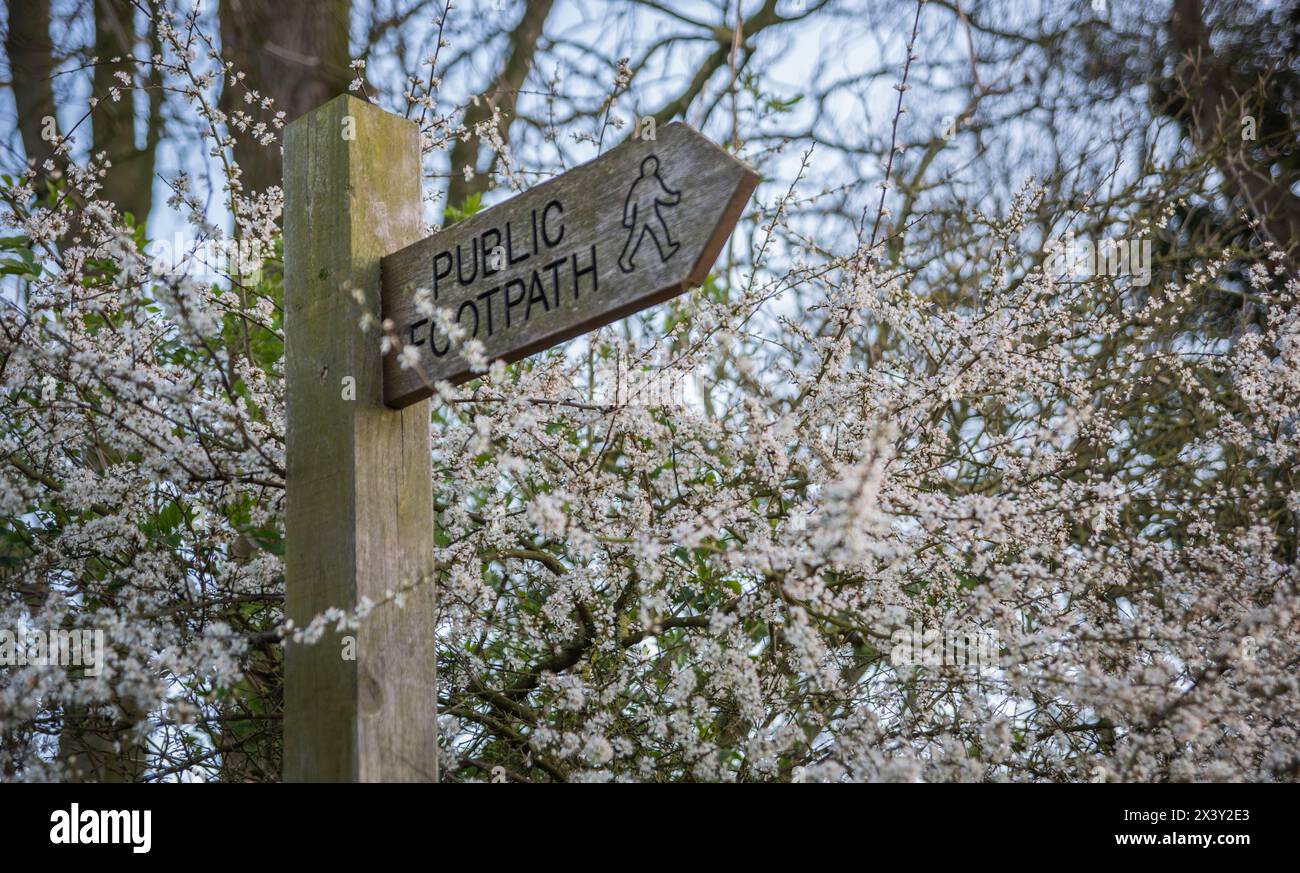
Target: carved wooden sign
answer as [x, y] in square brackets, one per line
[636, 226]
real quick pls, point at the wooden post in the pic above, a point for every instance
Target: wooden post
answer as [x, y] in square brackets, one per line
[359, 516]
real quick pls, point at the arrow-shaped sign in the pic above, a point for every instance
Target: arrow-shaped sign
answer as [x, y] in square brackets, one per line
[630, 229]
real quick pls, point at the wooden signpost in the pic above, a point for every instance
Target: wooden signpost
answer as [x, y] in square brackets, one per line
[634, 227]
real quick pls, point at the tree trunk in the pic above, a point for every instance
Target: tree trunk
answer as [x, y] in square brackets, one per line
[299, 58]
[31, 64]
[128, 184]
[1216, 104]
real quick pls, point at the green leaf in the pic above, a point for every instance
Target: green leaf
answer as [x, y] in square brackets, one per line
[472, 204]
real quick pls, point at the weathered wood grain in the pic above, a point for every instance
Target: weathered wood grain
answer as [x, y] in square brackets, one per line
[359, 518]
[562, 262]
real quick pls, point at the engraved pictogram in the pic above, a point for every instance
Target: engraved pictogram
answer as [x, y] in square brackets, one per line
[642, 215]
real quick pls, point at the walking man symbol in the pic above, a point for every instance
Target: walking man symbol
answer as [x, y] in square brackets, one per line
[641, 215]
